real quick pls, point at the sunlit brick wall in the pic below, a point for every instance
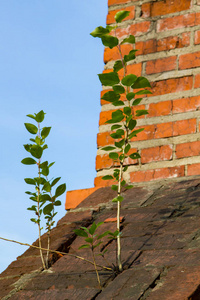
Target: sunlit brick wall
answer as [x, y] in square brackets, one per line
[168, 39]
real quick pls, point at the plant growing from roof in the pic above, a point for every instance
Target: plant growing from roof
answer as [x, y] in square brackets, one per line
[43, 198]
[123, 121]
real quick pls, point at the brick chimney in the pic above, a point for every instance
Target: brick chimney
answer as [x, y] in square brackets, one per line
[168, 39]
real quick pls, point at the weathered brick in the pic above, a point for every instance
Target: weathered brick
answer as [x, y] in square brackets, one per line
[184, 127]
[146, 47]
[161, 65]
[159, 109]
[197, 37]
[197, 81]
[163, 130]
[159, 8]
[188, 149]
[156, 154]
[189, 60]
[181, 21]
[173, 42]
[140, 176]
[193, 169]
[186, 104]
[111, 14]
[139, 28]
[172, 85]
[99, 182]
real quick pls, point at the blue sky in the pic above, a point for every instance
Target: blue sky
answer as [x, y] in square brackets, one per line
[48, 61]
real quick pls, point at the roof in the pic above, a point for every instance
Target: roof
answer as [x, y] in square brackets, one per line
[160, 249]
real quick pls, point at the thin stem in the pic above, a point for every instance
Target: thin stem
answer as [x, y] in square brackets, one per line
[57, 252]
[95, 266]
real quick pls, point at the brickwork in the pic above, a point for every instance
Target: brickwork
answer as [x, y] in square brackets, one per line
[168, 42]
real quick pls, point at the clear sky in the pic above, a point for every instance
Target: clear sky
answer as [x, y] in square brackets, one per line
[48, 61]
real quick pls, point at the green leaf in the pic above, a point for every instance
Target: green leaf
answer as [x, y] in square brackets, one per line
[130, 96]
[132, 124]
[137, 101]
[118, 134]
[117, 116]
[34, 220]
[40, 116]
[47, 209]
[117, 66]
[130, 56]
[109, 41]
[47, 187]
[123, 182]
[127, 111]
[55, 181]
[31, 128]
[113, 127]
[119, 89]
[57, 203]
[130, 40]
[27, 147]
[121, 15]
[118, 199]
[114, 187]
[128, 187]
[141, 82]
[102, 235]
[135, 155]
[89, 240]
[60, 190]
[125, 169]
[110, 96]
[108, 148]
[109, 79]
[45, 197]
[45, 132]
[113, 155]
[45, 171]
[141, 112]
[51, 164]
[118, 103]
[128, 80]
[31, 116]
[143, 92]
[127, 148]
[29, 181]
[119, 144]
[107, 177]
[135, 132]
[84, 246]
[121, 157]
[81, 232]
[92, 228]
[99, 31]
[36, 151]
[99, 243]
[28, 161]
[33, 208]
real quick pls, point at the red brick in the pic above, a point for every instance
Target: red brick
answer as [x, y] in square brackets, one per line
[159, 109]
[139, 28]
[161, 65]
[113, 54]
[146, 47]
[197, 37]
[164, 7]
[172, 85]
[193, 169]
[131, 69]
[173, 42]
[156, 154]
[140, 176]
[112, 13]
[184, 127]
[177, 22]
[197, 81]
[115, 2]
[74, 198]
[188, 149]
[190, 60]
[147, 134]
[186, 104]
[163, 130]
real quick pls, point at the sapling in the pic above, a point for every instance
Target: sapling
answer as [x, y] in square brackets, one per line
[123, 121]
[45, 200]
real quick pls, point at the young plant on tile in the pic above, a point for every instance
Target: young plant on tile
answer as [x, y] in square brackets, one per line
[123, 121]
[44, 196]
[93, 240]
